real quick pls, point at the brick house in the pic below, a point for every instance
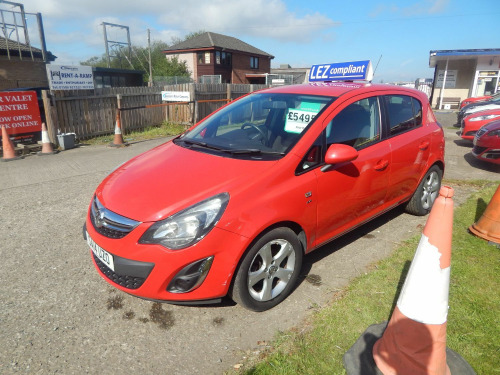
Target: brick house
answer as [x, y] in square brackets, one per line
[22, 67]
[211, 54]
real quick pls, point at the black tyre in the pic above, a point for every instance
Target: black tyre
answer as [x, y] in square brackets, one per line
[268, 271]
[427, 191]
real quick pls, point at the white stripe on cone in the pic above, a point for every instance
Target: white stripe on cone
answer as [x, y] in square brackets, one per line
[424, 297]
[45, 136]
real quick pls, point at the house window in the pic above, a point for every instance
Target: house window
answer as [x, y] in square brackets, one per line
[254, 62]
[207, 57]
[223, 58]
[200, 57]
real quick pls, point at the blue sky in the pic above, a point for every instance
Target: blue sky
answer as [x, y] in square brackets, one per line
[298, 33]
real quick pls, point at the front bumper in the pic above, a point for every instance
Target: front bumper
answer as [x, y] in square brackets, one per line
[146, 270]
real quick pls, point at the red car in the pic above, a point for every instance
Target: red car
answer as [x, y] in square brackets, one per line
[487, 143]
[472, 123]
[478, 99]
[231, 206]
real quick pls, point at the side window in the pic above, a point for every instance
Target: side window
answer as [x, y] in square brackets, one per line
[313, 157]
[357, 125]
[417, 110]
[405, 113]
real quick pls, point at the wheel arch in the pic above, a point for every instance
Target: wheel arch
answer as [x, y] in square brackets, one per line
[295, 227]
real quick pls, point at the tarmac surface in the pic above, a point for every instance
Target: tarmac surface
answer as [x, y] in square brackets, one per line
[59, 316]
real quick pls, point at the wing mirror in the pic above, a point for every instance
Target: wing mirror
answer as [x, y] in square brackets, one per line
[339, 153]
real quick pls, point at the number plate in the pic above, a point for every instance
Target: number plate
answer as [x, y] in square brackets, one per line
[100, 253]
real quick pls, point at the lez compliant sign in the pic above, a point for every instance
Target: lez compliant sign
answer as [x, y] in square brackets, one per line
[345, 71]
[20, 115]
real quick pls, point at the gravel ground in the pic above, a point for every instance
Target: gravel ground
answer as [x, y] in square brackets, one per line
[59, 316]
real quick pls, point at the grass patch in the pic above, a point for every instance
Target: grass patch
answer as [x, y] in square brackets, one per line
[473, 319]
[164, 130]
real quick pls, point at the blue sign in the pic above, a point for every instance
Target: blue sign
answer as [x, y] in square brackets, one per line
[346, 71]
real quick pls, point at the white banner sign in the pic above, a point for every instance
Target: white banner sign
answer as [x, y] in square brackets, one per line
[451, 79]
[70, 77]
[175, 96]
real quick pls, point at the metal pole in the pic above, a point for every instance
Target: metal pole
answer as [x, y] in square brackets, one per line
[129, 44]
[25, 27]
[5, 34]
[42, 36]
[442, 87]
[106, 44]
[150, 81]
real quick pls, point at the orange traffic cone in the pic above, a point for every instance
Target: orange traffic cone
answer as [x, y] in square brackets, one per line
[488, 226]
[9, 153]
[414, 341]
[118, 140]
[46, 144]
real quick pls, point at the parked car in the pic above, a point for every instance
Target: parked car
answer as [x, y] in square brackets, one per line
[231, 206]
[472, 123]
[478, 99]
[493, 103]
[487, 143]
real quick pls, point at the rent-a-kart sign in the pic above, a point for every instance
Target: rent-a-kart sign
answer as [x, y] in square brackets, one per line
[20, 115]
[345, 71]
[70, 77]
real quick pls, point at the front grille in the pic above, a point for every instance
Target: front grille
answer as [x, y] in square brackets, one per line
[108, 223]
[129, 282]
[480, 132]
[478, 150]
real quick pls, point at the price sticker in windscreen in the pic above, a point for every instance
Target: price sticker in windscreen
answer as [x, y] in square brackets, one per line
[298, 119]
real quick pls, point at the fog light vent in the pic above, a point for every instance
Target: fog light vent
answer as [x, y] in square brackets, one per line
[191, 276]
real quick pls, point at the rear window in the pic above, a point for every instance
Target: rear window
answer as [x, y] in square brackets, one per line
[404, 112]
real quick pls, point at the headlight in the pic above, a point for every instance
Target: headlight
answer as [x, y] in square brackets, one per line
[485, 117]
[494, 133]
[187, 227]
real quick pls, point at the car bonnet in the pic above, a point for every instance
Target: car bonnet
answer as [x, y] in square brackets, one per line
[169, 178]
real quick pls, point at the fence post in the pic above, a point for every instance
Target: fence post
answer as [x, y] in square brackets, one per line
[229, 92]
[192, 95]
[50, 117]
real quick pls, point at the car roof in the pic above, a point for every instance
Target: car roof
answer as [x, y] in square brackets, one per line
[335, 88]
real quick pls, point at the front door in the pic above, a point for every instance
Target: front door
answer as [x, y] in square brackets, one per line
[350, 193]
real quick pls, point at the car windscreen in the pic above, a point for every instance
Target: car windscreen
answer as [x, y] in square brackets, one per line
[262, 126]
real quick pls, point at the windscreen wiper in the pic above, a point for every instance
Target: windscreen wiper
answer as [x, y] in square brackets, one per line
[201, 144]
[252, 151]
[246, 151]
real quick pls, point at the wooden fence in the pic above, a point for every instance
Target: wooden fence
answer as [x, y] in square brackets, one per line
[90, 113]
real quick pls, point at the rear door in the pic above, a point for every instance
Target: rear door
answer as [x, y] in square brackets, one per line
[410, 142]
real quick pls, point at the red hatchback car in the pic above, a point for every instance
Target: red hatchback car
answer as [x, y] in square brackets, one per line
[478, 99]
[472, 123]
[231, 206]
[487, 143]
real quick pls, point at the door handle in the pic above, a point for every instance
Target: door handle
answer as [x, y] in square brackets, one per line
[381, 165]
[424, 145]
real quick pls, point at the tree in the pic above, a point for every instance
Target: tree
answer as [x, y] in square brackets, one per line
[176, 40]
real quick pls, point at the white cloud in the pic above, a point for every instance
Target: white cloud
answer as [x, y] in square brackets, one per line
[75, 26]
[260, 18]
[269, 18]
